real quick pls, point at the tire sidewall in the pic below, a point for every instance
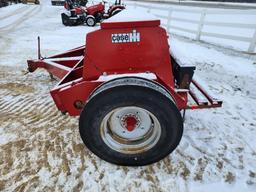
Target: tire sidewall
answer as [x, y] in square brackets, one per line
[163, 109]
[116, 12]
[94, 21]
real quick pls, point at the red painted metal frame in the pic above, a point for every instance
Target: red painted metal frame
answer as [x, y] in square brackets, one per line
[210, 101]
[79, 69]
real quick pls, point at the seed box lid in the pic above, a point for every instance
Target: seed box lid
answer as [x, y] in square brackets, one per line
[130, 18]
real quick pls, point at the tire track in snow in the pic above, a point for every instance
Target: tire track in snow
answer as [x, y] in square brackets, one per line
[5, 39]
[10, 27]
[14, 12]
[32, 116]
[35, 111]
[25, 102]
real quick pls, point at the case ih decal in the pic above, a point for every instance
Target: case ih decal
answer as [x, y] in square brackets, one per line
[134, 36]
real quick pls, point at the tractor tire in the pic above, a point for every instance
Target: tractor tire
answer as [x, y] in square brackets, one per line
[98, 17]
[90, 21]
[115, 12]
[131, 122]
[69, 21]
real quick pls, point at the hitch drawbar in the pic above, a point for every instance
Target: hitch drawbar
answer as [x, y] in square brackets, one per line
[128, 94]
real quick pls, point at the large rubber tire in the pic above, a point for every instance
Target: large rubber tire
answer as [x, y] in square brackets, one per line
[126, 94]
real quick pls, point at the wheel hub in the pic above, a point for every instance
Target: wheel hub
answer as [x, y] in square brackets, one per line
[130, 129]
[90, 21]
[130, 121]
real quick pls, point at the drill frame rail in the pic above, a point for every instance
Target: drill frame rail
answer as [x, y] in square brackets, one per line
[68, 67]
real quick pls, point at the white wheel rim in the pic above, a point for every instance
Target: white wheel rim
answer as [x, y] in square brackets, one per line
[90, 21]
[130, 130]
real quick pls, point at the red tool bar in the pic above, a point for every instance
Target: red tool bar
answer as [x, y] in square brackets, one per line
[53, 68]
[202, 90]
[78, 51]
[203, 105]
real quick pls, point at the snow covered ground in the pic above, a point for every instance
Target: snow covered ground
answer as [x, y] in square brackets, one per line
[187, 18]
[41, 150]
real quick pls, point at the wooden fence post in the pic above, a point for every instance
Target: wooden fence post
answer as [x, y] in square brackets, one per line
[253, 43]
[200, 25]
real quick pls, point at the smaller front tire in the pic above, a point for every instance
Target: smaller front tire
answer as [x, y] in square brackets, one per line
[90, 21]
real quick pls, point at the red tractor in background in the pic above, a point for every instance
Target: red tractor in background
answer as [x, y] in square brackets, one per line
[90, 15]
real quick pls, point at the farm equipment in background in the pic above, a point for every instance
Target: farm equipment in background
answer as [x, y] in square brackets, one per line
[31, 1]
[58, 2]
[4, 3]
[128, 90]
[90, 15]
[75, 3]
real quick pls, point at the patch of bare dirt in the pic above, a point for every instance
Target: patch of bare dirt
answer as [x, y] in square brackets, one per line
[17, 88]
